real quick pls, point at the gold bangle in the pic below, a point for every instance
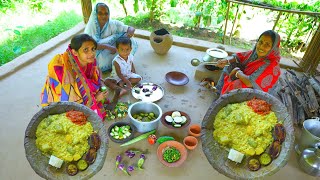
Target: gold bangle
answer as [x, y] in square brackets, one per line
[237, 74]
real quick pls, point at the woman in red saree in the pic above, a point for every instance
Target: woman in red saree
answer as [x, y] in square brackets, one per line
[258, 68]
[74, 76]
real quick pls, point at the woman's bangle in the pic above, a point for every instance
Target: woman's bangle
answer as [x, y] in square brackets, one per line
[237, 74]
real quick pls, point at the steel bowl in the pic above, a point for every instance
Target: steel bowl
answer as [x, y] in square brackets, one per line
[145, 107]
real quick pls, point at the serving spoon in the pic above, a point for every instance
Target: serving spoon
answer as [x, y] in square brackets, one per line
[197, 62]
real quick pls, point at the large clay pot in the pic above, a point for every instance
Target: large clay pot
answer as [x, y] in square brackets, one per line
[217, 154]
[39, 161]
[161, 41]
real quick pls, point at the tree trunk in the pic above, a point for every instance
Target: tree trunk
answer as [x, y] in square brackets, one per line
[152, 10]
[311, 58]
[225, 26]
[125, 9]
[86, 9]
[234, 23]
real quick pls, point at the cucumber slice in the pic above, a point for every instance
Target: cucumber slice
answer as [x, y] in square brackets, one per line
[82, 165]
[265, 159]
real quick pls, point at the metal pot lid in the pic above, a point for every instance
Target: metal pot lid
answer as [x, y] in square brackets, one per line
[217, 53]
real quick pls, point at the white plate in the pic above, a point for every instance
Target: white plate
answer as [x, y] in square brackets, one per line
[154, 96]
[217, 53]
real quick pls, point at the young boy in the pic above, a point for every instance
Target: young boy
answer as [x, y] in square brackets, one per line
[123, 72]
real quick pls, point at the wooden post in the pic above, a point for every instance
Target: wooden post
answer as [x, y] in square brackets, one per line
[225, 27]
[311, 58]
[278, 17]
[276, 22]
[86, 9]
[234, 24]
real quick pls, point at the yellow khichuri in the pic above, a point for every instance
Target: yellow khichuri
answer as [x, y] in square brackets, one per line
[58, 136]
[237, 126]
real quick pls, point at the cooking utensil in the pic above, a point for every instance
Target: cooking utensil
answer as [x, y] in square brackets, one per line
[170, 125]
[148, 92]
[213, 55]
[177, 78]
[310, 160]
[175, 144]
[120, 124]
[217, 53]
[217, 154]
[145, 107]
[310, 134]
[197, 62]
[39, 161]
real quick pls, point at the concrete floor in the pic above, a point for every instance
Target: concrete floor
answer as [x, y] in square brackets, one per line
[20, 101]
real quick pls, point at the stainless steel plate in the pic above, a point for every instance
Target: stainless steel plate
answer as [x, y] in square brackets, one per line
[148, 92]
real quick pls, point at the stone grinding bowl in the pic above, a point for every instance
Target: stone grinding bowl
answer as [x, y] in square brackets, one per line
[40, 162]
[218, 155]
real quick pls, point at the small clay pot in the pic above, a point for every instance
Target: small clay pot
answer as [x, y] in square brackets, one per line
[179, 146]
[190, 142]
[195, 130]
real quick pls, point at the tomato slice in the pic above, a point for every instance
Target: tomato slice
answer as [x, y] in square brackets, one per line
[152, 139]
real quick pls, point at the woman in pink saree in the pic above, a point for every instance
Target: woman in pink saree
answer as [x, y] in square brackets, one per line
[258, 68]
[74, 76]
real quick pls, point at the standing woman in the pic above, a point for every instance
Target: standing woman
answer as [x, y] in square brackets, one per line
[106, 31]
[258, 68]
[74, 76]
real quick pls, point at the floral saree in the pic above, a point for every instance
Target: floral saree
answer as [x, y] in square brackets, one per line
[263, 72]
[67, 81]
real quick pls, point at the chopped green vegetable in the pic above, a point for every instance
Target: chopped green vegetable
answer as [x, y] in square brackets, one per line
[121, 132]
[144, 116]
[139, 138]
[171, 155]
[120, 111]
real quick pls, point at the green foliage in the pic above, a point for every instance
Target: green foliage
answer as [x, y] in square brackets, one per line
[154, 7]
[137, 21]
[6, 5]
[136, 6]
[25, 39]
[36, 5]
[315, 7]
[173, 3]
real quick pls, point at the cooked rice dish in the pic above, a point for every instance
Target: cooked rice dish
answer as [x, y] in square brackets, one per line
[237, 126]
[58, 136]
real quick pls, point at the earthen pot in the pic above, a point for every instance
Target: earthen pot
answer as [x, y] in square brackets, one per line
[190, 142]
[161, 41]
[183, 152]
[194, 130]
